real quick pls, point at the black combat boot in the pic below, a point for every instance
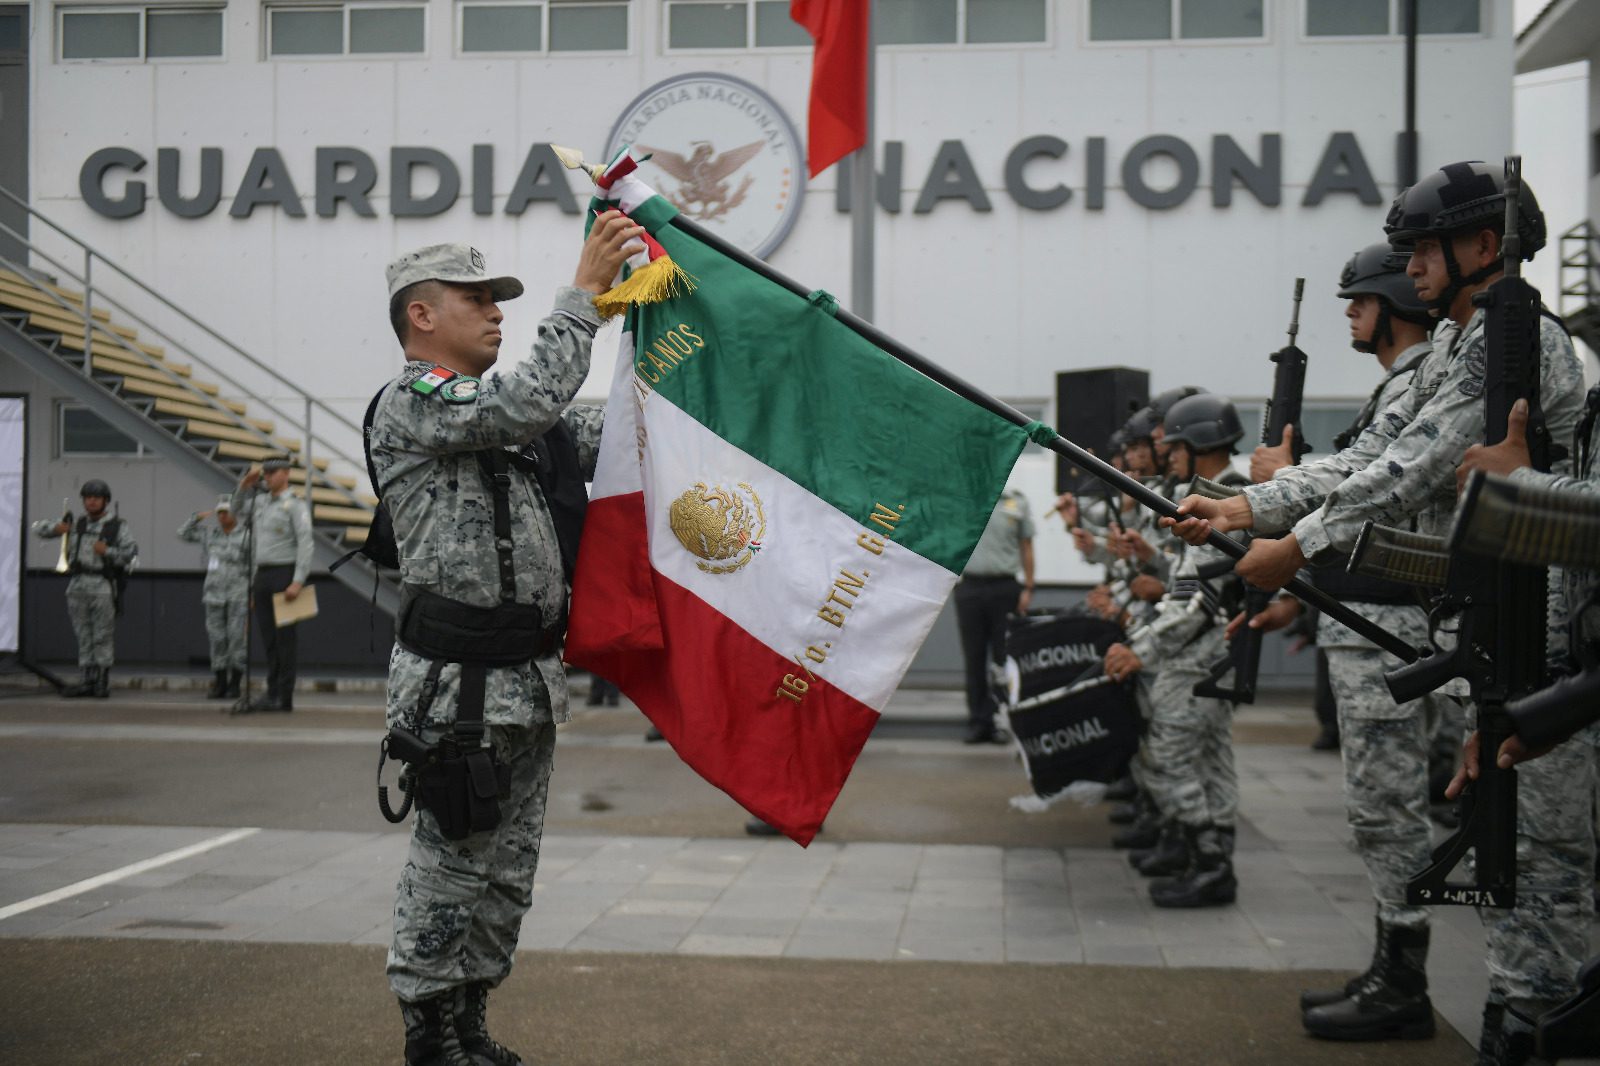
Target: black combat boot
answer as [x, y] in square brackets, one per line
[1392, 1003]
[1170, 855]
[1321, 997]
[431, 1035]
[1124, 813]
[102, 683]
[1209, 880]
[85, 686]
[471, 1010]
[232, 684]
[219, 685]
[1145, 833]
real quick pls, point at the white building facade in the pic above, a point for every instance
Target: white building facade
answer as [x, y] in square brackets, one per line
[1068, 183]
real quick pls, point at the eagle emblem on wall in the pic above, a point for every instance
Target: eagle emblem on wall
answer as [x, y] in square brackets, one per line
[704, 175]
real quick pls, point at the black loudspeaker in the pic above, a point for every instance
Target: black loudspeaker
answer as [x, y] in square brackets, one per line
[1090, 406]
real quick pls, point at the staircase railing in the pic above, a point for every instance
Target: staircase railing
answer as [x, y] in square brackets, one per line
[1580, 268]
[311, 422]
[312, 409]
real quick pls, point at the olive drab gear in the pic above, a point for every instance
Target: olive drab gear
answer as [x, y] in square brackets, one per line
[1462, 198]
[1378, 270]
[1205, 422]
[96, 487]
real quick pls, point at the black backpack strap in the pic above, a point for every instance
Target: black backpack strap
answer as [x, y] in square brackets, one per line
[495, 466]
[366, 440]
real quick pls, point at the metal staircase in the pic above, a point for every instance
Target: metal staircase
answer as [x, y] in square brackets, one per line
[1580, 283]
[161, 391]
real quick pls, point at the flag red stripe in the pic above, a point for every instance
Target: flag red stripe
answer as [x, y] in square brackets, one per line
[707, 684]
[836, 122]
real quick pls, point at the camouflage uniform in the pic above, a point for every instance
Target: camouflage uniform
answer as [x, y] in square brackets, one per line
[1384, 746]
[226, 593]
[91, 604]
[460, 903]
[1541, 953]
[1534, 949]
[1188, 751]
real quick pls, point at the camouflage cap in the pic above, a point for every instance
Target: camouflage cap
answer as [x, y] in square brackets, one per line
[224, 503]
[461, 264]
[277, 462]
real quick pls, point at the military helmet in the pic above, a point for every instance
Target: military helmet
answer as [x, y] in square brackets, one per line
[1205, 422]
[96, 487]
[1380, 271]
[1141, 425]
[1164, 401]
[1460, 198]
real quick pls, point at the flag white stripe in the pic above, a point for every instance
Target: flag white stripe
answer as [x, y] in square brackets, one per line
[777, 595]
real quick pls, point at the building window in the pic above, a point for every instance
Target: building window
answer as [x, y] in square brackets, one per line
[348, 29]
[13, 31]
[739, 24]
[594, 26]
[1383, 18]
[85, 433]
[1166, 20]
[138, 33]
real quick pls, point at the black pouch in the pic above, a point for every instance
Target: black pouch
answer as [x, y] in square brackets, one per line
[462, 791]
[440, 628]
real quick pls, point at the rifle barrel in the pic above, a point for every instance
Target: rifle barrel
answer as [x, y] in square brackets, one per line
[1083, 458]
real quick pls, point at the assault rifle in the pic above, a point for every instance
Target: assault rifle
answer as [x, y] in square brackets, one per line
[1243, 658]
[1500, 639]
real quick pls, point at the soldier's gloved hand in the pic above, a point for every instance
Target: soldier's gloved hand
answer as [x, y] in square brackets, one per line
[62, 528]
[99, 547]
[1265, 461]
[1503, 458]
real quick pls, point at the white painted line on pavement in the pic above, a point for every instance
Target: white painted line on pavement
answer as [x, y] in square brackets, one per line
[140, 867]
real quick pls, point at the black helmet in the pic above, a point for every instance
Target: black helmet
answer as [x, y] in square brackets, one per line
[1459, 198]
[1140, 426]
[1205, 422]
[1379, 270]
[1164, 401]
[1116, 442]
[96, 487]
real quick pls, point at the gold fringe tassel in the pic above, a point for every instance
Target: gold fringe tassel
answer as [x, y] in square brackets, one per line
[660, 279]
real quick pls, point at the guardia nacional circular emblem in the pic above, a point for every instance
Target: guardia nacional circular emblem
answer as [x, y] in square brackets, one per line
[722, 528]
[723, 152]
[460, 390]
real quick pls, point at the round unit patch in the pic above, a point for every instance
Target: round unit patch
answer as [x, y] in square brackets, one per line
[460, 390]
[723, 152]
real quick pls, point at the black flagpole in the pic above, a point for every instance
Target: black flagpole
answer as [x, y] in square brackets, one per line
[1085, 460]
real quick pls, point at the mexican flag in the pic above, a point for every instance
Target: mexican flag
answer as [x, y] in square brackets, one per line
[779, 512]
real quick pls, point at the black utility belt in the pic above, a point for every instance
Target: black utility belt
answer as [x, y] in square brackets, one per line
[506, 634]
[990, 577]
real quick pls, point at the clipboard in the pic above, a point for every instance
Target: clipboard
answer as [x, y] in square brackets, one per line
[288, 612]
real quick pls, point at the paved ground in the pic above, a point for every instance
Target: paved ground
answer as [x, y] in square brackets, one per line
[189, 887]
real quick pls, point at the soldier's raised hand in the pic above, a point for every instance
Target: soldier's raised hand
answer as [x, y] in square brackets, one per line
[612, 239]
[1503, 458]
[1265, 461]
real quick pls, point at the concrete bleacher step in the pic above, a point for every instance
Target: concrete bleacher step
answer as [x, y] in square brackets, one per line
[238, 434]
[183, 409]
[58, 321]
[21, 294]
[297, 476]
[256, 453]
[346, 514]
[176, 392]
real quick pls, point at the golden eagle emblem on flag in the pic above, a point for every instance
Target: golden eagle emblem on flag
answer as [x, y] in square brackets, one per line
[722, 528]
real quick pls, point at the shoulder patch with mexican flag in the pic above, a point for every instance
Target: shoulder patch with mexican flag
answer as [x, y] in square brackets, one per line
[430, 381]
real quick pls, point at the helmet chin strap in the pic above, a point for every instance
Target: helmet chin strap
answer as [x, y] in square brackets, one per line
[1447, 296]
[1382, 331]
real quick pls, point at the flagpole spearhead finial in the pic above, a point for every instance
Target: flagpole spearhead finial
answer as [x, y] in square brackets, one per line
[572, 159]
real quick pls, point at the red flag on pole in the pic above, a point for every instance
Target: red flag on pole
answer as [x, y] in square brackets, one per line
[837, 117]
